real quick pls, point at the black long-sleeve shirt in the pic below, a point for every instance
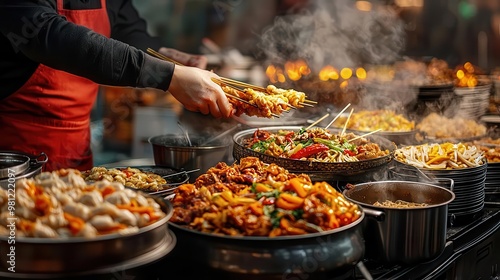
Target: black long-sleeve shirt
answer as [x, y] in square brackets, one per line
[31, 32]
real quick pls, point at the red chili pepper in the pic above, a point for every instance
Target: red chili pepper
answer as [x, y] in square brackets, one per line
[269, 201]
[360, 150]
[349, 152]
[309, 151]
[289, 135]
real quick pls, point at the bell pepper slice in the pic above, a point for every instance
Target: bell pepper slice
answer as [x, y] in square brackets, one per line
[309, 151]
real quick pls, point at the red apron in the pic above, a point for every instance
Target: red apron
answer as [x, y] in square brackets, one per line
[51, 112]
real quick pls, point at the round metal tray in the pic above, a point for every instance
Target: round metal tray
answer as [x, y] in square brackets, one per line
[76, 255]
[166, 245]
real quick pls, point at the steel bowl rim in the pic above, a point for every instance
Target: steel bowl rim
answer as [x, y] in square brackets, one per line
[57, 240]
[277, 238]
[183, 148]
[401, 209]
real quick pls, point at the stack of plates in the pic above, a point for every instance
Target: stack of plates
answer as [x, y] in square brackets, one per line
[469, 189]
[492, 184]
[473, 102]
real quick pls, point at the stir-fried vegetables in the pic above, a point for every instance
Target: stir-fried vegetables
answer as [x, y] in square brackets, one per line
[441, 156]
[257, 199]
[314, 144]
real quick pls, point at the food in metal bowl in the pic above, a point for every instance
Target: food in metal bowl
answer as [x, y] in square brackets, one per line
[399, 204]
[490, 147]
[128, 176]
[61, 204]
[253, 198]
[315, 144]
[386, 120]
[436, 126]
[441, 156]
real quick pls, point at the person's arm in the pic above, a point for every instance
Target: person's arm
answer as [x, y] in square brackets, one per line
[35, 29]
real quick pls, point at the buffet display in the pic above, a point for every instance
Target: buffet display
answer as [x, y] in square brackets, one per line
[252, 198]
[58, 214]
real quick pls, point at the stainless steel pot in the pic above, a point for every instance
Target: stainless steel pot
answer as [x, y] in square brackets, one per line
[173, 151]
[35, 165]
[16, 163]
[335, 250]
[38, 257]
[403, 235]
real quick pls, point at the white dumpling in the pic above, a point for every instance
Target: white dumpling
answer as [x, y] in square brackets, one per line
[54, 220]
[105, 208]
[87, 231]
[92, 199]
[118, 198]
[102, 222]
[78, 210]
[126, 217]
[41, 230]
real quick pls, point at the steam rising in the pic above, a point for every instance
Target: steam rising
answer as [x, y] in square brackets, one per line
[336, 33]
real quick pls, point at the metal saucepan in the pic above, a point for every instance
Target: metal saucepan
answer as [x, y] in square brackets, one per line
[16, 163]
[172, 151]
[336, 250]
[403, 235]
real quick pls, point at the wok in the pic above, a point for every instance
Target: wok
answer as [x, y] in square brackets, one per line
[337, 250]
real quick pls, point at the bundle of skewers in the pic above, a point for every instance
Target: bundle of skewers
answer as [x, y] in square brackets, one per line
[253, 100]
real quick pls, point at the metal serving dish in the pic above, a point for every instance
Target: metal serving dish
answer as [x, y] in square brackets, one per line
[46, 257]
[173, 151]
[336, 250]
[318, 171]
[174, 177]
[17, 163]
[34, 168]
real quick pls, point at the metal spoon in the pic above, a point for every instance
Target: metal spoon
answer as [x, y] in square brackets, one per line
[185, 133]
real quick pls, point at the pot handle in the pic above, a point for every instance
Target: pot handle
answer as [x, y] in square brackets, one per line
[449, 181]
[378, 215]
[41, 158]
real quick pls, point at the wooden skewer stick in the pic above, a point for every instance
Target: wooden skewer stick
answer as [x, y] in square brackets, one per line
[219, 82]
[242, 84]
[337, 116]
[346, 122]
[310, 101]
[360, 136]
[306, 104]
[318, 121]
[164, 57]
